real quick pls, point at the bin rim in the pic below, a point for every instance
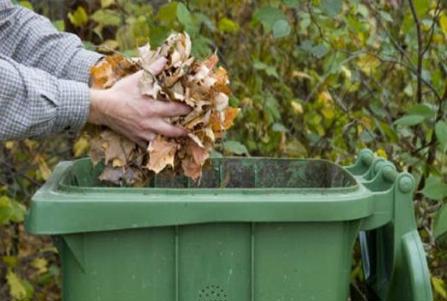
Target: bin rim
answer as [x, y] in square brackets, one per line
[57, 211]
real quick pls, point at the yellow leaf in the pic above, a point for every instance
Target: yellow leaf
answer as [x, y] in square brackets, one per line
[117, 163]
[81, 146]
[439, 286]
[367, 122]
[328, 112]
[300, 74]
[107, 3]
[26, 4]
[381, 153]
[40, 264]
[296, 107]
[368, 63]
[294, 148]
[339, 42]
[30, 144]
[9, 144]
[325, 97]
[79, 17]
[45, 171]
[16, 286]
[10, 261]
[108, 45]
[346, 72]
[443, 23]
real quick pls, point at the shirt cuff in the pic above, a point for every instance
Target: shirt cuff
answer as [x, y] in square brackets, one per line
[74, 106]
[80, 65]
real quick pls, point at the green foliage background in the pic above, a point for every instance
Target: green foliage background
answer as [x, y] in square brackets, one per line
[314, 78]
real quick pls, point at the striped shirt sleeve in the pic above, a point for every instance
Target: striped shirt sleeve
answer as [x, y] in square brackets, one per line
[32, 40]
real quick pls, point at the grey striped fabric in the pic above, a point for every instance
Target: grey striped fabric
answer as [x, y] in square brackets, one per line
[43, 76]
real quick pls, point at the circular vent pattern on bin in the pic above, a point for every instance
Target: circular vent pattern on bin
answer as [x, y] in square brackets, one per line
[212, 293]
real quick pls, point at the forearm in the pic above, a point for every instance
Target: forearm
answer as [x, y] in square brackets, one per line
[32, 40]
[34, 103]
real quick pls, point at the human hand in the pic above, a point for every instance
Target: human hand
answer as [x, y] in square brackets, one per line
[123, 109]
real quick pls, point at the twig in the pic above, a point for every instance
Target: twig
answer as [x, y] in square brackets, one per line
[414, 71]
[395, 43]
[314, 21]
[420, 51]
[437, 13]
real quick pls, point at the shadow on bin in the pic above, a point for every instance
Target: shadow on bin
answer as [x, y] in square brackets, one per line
[253, 229]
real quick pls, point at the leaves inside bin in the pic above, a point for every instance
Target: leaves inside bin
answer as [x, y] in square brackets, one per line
[202, 85]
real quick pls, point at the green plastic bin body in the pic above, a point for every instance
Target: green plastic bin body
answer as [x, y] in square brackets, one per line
[252, 229]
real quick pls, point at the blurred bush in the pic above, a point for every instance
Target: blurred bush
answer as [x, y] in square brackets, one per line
[314, 78]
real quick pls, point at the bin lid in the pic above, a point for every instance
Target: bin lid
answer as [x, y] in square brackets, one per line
[231, 190]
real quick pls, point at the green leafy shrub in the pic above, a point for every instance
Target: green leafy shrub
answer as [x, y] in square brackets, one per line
[313, 78]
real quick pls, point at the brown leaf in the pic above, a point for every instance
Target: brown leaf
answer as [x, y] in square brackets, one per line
[221, 102]
[198, 153]
[110, 69]
[222, 82]
[209, 135]
[222, 121]
[96, 150]
[117, 149]
[177, 92]
[191, 169]
[121, 175]
[148, 57]
[149, 86]
[196, 140]
[192, 164]
[199, 118]
[230, 115]
[161, 154]
[112, 175]
[211, 61]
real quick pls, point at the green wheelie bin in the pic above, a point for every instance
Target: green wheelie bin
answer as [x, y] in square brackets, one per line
[258, 229]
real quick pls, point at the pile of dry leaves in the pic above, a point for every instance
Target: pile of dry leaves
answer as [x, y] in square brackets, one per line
[202, 85]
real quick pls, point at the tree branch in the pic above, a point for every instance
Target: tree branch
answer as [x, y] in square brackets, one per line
[420, 51]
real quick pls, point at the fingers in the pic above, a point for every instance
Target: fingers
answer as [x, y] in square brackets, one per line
[162, 127]
[166, 109]
[157, 66]
[148, 136]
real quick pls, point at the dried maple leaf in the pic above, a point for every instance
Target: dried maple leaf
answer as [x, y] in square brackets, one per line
[161, 154]
[222, 121]
[149, 86]
[121, 175]
[196, 157]
[191, 169]
[110, 69]
[111, 174]
[117, 149]
[96, 151]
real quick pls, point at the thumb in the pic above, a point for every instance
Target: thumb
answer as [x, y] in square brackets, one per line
[157, 66]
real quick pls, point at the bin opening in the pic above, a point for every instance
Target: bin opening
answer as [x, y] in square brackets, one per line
[232, 173]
